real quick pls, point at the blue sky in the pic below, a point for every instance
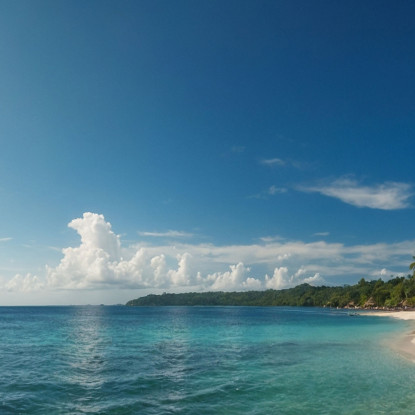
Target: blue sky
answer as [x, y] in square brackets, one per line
[203, 145]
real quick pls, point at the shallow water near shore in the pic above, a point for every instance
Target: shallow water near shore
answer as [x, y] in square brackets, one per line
[201, 360]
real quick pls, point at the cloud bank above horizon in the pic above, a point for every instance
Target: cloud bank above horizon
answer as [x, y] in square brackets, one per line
[102, 262]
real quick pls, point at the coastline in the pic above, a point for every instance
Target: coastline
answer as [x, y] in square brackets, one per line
[402, 315]
[404, 344]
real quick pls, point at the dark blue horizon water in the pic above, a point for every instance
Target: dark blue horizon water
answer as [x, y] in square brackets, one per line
[200, 360]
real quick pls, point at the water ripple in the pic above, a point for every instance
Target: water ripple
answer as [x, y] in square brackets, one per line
[109, 360]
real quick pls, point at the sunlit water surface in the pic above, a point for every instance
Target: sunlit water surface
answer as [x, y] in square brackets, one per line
[200, 360]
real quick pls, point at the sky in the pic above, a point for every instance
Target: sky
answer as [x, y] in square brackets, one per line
[159, 146]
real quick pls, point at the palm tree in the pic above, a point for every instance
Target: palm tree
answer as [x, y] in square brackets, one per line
[412, 267]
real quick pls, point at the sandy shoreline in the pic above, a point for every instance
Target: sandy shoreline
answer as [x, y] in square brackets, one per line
[402, 315]
[404, 344]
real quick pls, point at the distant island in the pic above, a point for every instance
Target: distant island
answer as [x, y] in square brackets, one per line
[396, 293]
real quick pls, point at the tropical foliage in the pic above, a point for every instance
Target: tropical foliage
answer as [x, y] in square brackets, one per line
[398, 291]
[412, 267]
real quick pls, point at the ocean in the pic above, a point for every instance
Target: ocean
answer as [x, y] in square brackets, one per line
[201, 360]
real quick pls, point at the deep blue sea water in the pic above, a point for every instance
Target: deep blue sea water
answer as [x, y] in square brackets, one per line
[200, 360]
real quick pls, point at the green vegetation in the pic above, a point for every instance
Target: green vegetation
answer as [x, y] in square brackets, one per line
[412, 267]
[397, 292]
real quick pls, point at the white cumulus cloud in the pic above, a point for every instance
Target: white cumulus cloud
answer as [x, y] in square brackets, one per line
[100, 261]
[27, 283]
[235, 279]
[282, 278]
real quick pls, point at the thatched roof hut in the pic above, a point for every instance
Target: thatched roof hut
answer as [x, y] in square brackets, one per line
[370, 303]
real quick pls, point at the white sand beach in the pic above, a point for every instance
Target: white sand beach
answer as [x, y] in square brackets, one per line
[402, 315]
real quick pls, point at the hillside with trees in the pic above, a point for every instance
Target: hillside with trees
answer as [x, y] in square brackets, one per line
[395, 293]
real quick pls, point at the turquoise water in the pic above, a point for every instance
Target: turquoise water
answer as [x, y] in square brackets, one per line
[200, 360]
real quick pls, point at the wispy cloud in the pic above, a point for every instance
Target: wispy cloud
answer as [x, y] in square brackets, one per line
[238, 149]
[268, 239]
[278, 162]
[321, 234]
[386, 196]
[271, 191]
[5, 239]
[55, 248]
[273, 162]
[168, 234]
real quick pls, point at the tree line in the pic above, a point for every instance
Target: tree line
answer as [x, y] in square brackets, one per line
[396, 292]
